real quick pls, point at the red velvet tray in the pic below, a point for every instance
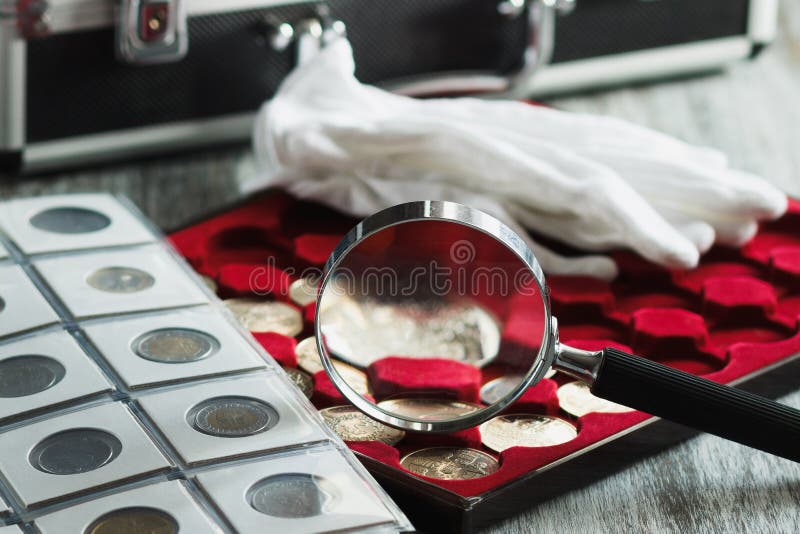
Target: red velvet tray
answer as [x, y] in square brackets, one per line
[730, 318]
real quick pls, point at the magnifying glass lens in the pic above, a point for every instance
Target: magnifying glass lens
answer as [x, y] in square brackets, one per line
[432, 310]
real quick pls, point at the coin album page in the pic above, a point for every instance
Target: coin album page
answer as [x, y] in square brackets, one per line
[131, 396]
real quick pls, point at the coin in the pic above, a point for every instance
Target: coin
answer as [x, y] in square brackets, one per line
[233, 417]
[266, 316]
[292, 495]
[75, 451]
[450, 463]
[361, 332]
[309, 360]
[303, 291]
[134, 520]
[69, 220]
[494, 390]
[175, 345]
[526, 430]
[302, 380]
[210, 283]
[428, 409]
[308, 356]
[576, 398]
[351, 425]
[27, 375]
[120, 280]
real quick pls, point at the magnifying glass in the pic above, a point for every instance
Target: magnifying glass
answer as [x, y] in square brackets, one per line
[432, 299]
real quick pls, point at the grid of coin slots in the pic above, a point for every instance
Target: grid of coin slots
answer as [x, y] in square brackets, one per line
[132, 401]
[735, 314]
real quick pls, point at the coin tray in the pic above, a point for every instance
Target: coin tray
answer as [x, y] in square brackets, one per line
[731, 319]
[122, 226]
[168, 497]
[171, 412]
[23, 307]
[81, 378]
[116, 341]
[68, 275]
[138, 456]
[351, 504]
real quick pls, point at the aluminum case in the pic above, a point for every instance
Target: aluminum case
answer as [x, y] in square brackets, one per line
[74, 90]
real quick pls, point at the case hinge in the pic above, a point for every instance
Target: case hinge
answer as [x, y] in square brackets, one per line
[151, 31]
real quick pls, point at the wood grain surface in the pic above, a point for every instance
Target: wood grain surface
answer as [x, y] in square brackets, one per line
[706, 484]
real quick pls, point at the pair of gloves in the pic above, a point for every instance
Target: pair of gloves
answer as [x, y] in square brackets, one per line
[592, 182]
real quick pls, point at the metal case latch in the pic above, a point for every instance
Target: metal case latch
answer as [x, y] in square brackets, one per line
[151, 31]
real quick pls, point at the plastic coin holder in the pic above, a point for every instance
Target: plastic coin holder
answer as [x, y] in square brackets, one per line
[4, 509]
[162, 507]
[10, 529]
[77, 453]
[314, 490]
[3, 251]
[172, 346]
[22, 306]
[71, 222]
[119, 281]
[270, 418]
[45, 370]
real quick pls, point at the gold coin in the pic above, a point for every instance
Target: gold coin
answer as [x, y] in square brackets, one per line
[428, 409]
[352, 425]
[303, 291]
[308, 360]
[450, 463]
[136, 520]
[266, 316]
[526, 430]
[302, 380]
[576, 398]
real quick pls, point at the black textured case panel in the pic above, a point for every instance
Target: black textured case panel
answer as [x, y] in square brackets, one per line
[607, 27]
[76, 86]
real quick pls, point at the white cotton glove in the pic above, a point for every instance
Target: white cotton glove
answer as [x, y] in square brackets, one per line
[591, 182]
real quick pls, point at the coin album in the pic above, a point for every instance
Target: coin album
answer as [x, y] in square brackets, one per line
[734, 319]
[131, 397]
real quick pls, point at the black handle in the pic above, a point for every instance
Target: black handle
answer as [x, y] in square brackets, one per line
[699, 403]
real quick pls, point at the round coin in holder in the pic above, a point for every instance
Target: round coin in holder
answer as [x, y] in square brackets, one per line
[163, 508]
[71, 222]
[22, 306]
[313, 490]
[120, 281]
[231, 418]
[76, 453]
[172, 346]
[45, 370]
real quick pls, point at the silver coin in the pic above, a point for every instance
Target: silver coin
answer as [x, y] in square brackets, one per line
[494, 390]
[292, 495]
[266, 316]
[120, 280]
[576, 399]
[526, 430]
[175, 345]
[351, 425]
[450, 463]
[303, 291]
[78, 450]
[302, 380]
[21, 376]
[70, 220]
[362, 332]
[233, 417]
[308, 359]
